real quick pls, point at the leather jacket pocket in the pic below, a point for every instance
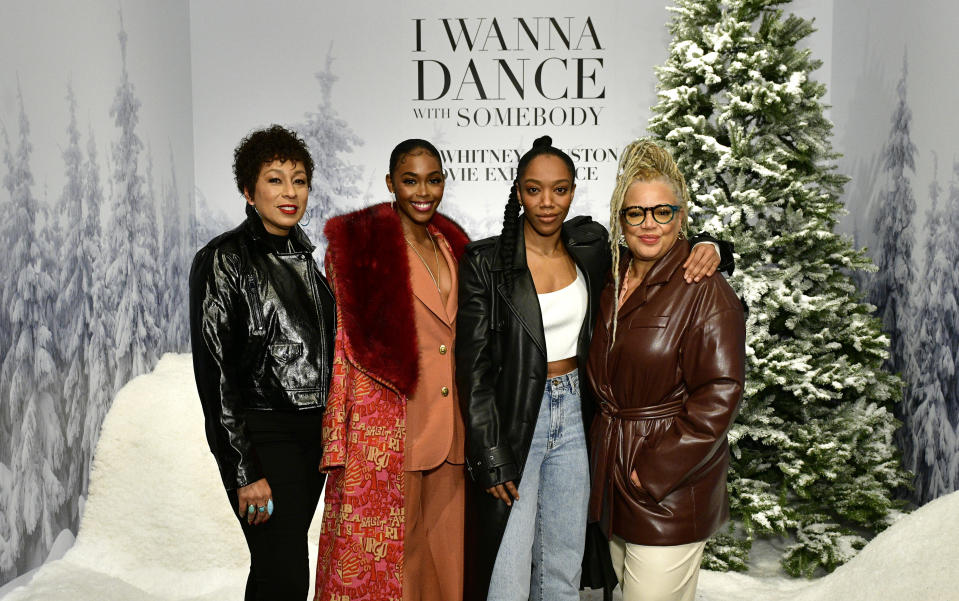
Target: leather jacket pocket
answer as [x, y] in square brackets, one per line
[649, 321]
[254, 304]
[285, 352]
[632, 447]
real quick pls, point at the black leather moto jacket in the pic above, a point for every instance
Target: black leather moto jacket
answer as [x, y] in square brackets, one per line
[262, 325]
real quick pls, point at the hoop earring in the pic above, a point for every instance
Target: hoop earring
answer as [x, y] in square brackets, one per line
[306, 218]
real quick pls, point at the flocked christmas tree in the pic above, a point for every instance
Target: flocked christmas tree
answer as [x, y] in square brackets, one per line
[813, 453]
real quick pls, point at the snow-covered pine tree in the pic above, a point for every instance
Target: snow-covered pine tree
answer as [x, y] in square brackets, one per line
[132, 245]
[930, 433]
[9, 533]
[328, 136]
[173, 292]
[146, 244]
[813, 455]
[99, 318]
[7, 235]
[895, 237]
[207, 222]
[72, 330]
[36, 445]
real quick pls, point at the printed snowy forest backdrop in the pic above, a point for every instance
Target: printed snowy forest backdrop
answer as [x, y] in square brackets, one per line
[98, 230]
[103, 213]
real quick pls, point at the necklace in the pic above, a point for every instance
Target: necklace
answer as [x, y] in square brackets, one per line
[436, 256]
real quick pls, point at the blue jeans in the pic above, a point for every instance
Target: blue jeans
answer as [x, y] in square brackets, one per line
[540, 557]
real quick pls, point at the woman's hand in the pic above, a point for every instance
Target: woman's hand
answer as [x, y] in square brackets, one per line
[702, 261]
[257, 494]
[635, 480]
[504, 492]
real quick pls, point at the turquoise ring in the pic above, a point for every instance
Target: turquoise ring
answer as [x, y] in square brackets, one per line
[262, 508]
[249, 508]
[269, 507]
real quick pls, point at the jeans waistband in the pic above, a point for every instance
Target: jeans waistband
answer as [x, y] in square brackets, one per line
[567, 381]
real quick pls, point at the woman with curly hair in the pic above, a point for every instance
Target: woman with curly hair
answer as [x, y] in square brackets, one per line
[261, 318]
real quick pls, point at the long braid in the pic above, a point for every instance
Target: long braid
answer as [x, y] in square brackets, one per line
[642, 161]
[511, 224]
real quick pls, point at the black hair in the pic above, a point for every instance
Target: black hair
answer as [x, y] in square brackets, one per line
[408, 146]
[262, 146]
[511, 223]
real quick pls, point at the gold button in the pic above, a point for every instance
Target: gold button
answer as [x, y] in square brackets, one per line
[445, 391]
[442, 349]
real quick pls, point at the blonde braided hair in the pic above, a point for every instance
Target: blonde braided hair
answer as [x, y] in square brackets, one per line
[642, 161]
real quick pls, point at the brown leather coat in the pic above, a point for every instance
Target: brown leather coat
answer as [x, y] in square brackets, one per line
[669, 388]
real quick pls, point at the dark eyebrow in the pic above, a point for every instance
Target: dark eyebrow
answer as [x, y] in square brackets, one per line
[536, 181]
[297, 172]
[410, 173]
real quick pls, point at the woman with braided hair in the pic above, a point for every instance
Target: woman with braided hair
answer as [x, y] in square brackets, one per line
[528, 299]
[666, 365]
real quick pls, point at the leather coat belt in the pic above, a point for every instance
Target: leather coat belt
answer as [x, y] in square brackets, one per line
[613, 436]
[667, 409]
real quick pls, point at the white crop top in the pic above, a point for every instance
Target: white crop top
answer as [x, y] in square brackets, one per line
[563, 313]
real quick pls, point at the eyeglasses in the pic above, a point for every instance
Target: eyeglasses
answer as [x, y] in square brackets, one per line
[662, 214]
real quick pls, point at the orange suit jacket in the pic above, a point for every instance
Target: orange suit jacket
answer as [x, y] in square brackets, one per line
[435, 431]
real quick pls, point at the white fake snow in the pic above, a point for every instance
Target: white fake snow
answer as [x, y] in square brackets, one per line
[157, 525]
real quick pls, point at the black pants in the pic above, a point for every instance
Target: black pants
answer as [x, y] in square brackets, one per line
[279, 560]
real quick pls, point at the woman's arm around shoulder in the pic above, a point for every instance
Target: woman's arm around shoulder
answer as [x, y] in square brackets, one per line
[727, 262]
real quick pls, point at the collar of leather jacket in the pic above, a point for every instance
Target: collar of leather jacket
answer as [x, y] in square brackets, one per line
[572, 234]
[254, 227]
[367, 266]
[660, 273]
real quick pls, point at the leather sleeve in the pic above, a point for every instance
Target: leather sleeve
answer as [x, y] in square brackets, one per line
[727, 263]
[489, 457]
[215, 298]
[335, 419]
[712, 359]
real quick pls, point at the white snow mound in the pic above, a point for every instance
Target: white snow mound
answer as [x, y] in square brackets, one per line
[915, 559]
[157, 523]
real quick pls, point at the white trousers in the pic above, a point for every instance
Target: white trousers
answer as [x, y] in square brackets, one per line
[649, 573]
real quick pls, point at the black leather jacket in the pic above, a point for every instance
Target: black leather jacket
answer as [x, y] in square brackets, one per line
[501, 347]
[262, 326]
